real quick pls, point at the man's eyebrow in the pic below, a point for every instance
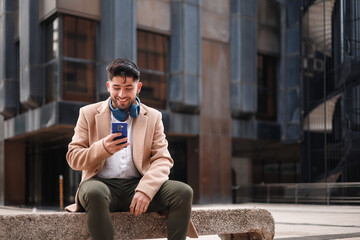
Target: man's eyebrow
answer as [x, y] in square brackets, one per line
[129, 85]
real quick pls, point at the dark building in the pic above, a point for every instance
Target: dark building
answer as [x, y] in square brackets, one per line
[330, 132]
[251, 91]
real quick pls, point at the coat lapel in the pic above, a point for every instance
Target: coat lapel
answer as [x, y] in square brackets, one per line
[139, 130]
[102, 120]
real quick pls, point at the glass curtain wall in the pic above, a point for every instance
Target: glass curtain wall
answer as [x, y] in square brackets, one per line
[70, 59]
[330, 90]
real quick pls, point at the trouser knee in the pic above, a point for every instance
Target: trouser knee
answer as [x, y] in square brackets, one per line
[186, 193]
[183, 194]
[94, 196]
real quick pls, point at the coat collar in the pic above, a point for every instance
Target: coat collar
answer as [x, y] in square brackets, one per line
[102, 120]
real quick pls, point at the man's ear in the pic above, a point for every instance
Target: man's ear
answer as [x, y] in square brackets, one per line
[108, 86]
[139, 85]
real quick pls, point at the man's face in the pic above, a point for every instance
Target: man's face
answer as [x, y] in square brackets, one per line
[122, 93]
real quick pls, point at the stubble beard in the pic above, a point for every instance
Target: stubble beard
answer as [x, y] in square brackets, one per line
[114, 101]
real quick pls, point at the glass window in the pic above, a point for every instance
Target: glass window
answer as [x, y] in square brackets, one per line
[52, 40]
[266, 69]
[51, 55]
[79, 38]
[152, 49]
[78, 81]
[78, 65]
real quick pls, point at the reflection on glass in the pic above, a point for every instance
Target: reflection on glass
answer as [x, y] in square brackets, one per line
[52, 40]
[78, 81]
[152, 61]
[79, 38]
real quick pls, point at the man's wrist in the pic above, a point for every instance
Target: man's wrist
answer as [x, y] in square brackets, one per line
[105, 147]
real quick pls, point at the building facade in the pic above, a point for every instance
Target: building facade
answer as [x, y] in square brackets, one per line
[227, 75]
[330, 132]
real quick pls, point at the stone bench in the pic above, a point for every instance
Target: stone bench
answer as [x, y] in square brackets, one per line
[228, 223]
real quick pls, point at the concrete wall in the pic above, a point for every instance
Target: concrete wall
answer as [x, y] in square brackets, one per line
[154, 15]
[215, 20]
[82, 8]
[215, 114]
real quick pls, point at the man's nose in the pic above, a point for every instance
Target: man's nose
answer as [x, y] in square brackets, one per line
[121, 93]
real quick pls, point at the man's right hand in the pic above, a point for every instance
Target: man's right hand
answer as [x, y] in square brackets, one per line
[114, 146]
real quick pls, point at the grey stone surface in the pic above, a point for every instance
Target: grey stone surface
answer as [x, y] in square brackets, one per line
[258, 223]
[185, 52]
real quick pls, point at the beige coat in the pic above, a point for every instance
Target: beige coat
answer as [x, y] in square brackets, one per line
[150, 148]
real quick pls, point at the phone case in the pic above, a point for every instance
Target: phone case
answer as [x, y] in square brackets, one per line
[119, 127]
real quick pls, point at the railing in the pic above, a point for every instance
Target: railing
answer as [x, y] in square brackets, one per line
[299, 193]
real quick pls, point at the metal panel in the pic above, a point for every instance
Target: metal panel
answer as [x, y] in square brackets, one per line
[185, 68]
[8, 82]
[31, 49]
[117, 37]
[243, 57]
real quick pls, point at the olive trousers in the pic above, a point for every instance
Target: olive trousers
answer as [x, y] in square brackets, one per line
[99, 197]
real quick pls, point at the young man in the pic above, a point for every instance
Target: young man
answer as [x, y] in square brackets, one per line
[127, 174]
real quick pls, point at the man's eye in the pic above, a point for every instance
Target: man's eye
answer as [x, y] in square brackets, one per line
[129, 89]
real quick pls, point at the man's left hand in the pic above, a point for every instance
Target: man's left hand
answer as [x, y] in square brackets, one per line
[139, 203]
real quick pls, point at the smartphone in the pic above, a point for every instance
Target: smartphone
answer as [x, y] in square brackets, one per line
[119, 127]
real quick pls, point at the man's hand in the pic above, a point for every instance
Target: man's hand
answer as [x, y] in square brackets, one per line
[112, 146]
[139, 203]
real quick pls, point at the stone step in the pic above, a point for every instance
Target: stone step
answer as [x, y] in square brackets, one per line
[227, 223]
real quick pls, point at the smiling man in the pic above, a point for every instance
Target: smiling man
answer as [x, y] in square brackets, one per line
[130, 173]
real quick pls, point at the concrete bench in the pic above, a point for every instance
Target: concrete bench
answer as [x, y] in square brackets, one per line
[228, 223]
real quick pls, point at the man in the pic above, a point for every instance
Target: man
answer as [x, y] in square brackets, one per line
[126, 174]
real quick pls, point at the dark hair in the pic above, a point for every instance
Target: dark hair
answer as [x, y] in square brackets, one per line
[123, 67]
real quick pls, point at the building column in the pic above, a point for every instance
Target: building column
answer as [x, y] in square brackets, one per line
[117, 37]
[31, 54]
[8, 81]
[289, 86]
[243, 40]
[185, 53]
[215, 145]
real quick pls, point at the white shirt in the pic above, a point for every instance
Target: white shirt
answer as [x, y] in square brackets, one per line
[120, 164]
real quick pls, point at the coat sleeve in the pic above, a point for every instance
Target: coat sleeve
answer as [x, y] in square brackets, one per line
[160, 162]
[81, 155]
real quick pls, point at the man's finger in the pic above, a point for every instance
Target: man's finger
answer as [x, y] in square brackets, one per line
[132, 206]
[139, 209]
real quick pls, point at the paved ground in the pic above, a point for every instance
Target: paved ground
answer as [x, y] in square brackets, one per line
[298, 222]
[307, 222]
